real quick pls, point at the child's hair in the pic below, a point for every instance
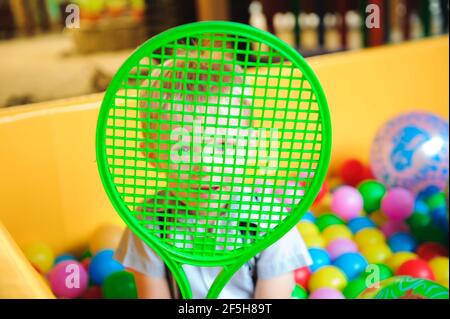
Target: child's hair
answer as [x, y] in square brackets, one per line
[193, 78]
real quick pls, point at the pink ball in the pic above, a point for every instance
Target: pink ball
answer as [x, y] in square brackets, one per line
[326, 293]
[392, 226]
[341, 246]
[398, 203]
[68, 279]
[347, 202]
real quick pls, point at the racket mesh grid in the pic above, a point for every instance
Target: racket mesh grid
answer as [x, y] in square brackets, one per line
[211, 141]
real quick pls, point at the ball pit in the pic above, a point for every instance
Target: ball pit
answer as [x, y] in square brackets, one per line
[336, 232]
[360, 223]
[320, 258]
[398, 203]
[402, 242]
[397, 259]
[351, 264]
[416, 268]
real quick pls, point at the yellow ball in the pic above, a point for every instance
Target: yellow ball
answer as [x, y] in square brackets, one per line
[336, 232]
[376, 253]
[324, 206]
[40, 256]
[105, 237]
[327, 277]
[308, 229]
[368, 237]
[314, 241]
[379, 218]
[443, 283]
[397, 259]
[440, 268]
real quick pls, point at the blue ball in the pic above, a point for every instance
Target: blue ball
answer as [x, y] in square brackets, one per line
[102, 265]
[402, 242]
[352, 264]
[64, 257]
[439, 217]
[319, 257]
[421, 207]
[359, 223]
[309, 217]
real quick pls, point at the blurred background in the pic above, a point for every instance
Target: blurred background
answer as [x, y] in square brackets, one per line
[51, 49]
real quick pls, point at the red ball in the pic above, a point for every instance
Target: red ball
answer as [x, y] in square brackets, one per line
[323, 191]
[428, 251]
[416, 268]
[302, 276]
[93, 292]
[353, 172]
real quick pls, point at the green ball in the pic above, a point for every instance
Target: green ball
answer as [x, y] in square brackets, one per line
[299, 293]
[383, 271]
[372, 193]
[355, 288]
[120, 285]
[430, 233]
[86, 254]
[329, 219]
[418, 220]
[436, 201]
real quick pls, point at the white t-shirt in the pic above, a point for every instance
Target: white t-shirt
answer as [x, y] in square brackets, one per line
[285, 255]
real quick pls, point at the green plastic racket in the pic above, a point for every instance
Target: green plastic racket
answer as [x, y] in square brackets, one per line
[213, 139]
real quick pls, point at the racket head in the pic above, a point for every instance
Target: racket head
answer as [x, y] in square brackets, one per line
[286, 101]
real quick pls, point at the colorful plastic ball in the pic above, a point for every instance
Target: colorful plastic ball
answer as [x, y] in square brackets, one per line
[302, 276]
[316, 241]
[372, 192]
[105, 237]
[120, 285]
[412, 151]
[92, 292]
[103, 265]
[335, 232]
[369, 237]
[319, 257]
[308, 217]
[443, 283]
[352, 264]
[64, 257]
[323, 191]
[341, 246]
[347, 202]
[327, 277]
[376, 253]
[430, 233]
[402, 242]
[377, 272]
[440, 268]
[326, 293]
[299, 293]
[428, 251]
[440, 218]
[68, 279]
[308, 229]
[398, 203]
[421, 215]
[416, 268]
[327, 220]
[379, 218]
[398, 259]
[355, 288]
[353, 172]
[40, 256]
[359, 223]
[392, 227]
[436, 201]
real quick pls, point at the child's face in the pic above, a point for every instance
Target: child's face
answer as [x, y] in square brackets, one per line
[203, 171]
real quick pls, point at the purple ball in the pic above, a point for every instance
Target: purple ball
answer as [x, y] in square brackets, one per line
[68, 279]
[326, 293]
[347, 202]
[398, 204]
[341, 246]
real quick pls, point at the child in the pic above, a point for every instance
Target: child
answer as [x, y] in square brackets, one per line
[204, 186]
